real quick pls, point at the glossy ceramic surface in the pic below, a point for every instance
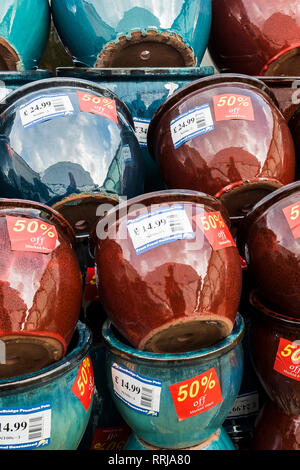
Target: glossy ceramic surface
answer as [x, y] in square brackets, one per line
[287, 93]
[49, 394]
[10, 81]
[256, 37]
[40, 304]
[137, 33]
[24, 31]
[223, 156]
[179, 291]
[158, 424]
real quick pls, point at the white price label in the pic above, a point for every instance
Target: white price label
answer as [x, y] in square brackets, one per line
[159, 227]
[196, 122]
[44, 108]
[245, 405]
[141, 130]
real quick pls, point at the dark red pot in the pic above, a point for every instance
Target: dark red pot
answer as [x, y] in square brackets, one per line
[256, 37]
[40, 291]
[174, 296]
[287, 93]
[275, 350]
[238, 159]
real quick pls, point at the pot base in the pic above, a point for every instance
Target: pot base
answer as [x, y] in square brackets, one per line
[8, 56]
[287, 64]
[202, 446]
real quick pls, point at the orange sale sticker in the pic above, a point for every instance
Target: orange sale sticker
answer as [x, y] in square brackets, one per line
[215, 229]
[105, 107]
[287, 361]
[91, 291]
[196, 395]
[292, 214]
[84, 385]
[31, 235]
[112, 438]
[230, 106]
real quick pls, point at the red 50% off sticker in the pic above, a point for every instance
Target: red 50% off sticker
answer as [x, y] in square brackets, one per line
[287, 361]
[84, 385]
[196, 395]
[215, 229]
[31, 235]
[94, 104]
[292, 214]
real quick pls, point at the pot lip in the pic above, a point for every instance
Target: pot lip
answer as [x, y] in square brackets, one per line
[52, 82]
[23, 74]
[222, 78]
[55, 369]
[26, 204]
[268, 314]
[220, 348]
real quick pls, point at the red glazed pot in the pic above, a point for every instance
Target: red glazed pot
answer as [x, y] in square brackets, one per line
[287, 93]
[275, 350]
[256, 37]
[203, 142]
[163, 284]
[269, 238]
[40, 286]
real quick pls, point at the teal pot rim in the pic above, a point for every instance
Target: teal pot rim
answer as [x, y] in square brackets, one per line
[222, 79]
[266, 313]
[44, 84]
[16, 75]
[54, 370]
[219, 349]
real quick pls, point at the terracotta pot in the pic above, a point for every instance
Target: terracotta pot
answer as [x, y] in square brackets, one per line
[182, 291]
[202, 143]
[40, 286]
[256, 37]
[269, 237]
[275, 350]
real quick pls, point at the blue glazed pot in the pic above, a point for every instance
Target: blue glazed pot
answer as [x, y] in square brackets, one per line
[135, 33]
[24, 32]
[150, 389]
[10, 81]
[41, 410]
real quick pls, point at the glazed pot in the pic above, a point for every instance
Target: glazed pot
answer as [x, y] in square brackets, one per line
[174, 401]
[50, 408]
[173, 33]
[256, 37]
[24, 32]
[202, 141]
[10, 81]
[40, 286]
[269, 238]
[275, 351]
[181, 281]
[64, 142]
[286, 91]
[276, 430]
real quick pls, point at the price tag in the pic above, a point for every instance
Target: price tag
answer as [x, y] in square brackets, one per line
[245, 405]
[196, 122]
[159, 227]
[91, 291]
[292, 214]
[84, 385]
[141, 130]
[138, 392]
[113, 438]
[94, 104]
[44, 108]
[287, 361]
[196, 395]
[31, 235]
[230, 106]
[215, 230]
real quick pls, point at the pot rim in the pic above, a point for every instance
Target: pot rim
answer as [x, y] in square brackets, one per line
[222, 78]
[23, 74]
[268, 314]
[55, 369]
[220, 348]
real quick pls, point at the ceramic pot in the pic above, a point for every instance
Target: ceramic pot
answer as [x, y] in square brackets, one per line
[275, 430]
[286, 91]
[275, 352]
[269, 238]
[174, 401]
[256, 37]
[24, 32]
[64, 142]
[203, 141]
[173, 33]
[10, 81]
[50, 408]
[40, 286]
[157, 243]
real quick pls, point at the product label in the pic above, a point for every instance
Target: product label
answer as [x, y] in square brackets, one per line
[31, 235]
[231, 106]
[159, 227]
[113, 438]
[245, 405]
[25, 428]
[44, 108]
[91, 291]
[196, 122]
[215, 229]
[141, 130]
[292, 214]
[84, 385]
[287, 361]
[94, 104]
[138, 392]
[196, 395]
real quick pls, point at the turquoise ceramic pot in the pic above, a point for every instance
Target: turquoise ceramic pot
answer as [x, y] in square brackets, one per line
[174, 401]
[24, 32]
[49, 409]
[135, 33]
[10, 81]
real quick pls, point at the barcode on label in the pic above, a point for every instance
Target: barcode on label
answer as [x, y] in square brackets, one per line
[147, 398]
[44, 108]
[186, 126]
[35, 430]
